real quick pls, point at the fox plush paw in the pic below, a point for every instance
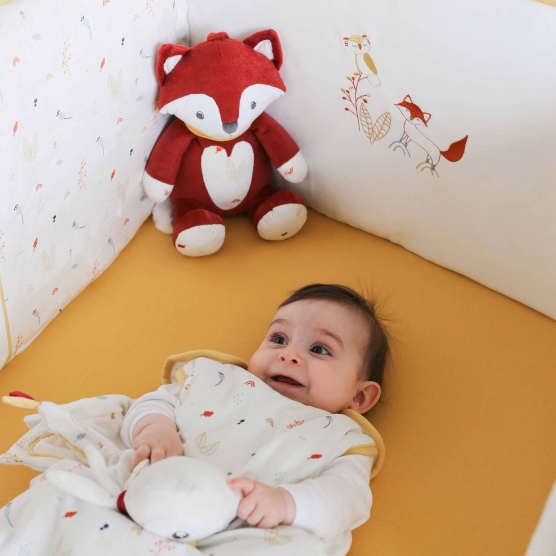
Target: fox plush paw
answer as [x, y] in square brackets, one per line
[199, 233]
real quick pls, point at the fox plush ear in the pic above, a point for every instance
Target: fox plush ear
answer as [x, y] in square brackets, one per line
[407, 98]
[426, 116]
[268, 44]
[168, 56]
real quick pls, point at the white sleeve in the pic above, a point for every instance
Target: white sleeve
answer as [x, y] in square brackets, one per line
[162, 401]
[338, 500]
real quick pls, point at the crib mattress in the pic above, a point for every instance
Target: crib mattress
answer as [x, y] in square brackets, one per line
[468, 408]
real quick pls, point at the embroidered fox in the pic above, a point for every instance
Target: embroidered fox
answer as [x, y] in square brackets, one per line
[415, 119]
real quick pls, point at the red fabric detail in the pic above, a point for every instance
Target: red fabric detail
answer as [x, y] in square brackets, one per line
[18, 394]
[272, 36]
[455, 150]
[189, 214]
[276, 141]
[221, 69]
[165, 52]
[176, 159]
[269, 199]
[164, 161]
[121, 504]
[217, 36]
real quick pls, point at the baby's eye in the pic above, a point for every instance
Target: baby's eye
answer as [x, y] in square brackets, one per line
[278, 339]
[320, 350]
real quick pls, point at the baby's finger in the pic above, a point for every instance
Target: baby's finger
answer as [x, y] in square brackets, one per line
[143, 452]
[246, 485]
[246, 507]
[256, 516]
[157, 454]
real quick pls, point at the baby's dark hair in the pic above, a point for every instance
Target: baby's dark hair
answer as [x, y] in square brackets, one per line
[377, 350]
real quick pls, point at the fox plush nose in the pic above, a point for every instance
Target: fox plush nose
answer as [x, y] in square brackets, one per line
[359, 46]
[230, 128]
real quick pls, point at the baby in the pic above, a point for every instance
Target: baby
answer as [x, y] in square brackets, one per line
[325, 348]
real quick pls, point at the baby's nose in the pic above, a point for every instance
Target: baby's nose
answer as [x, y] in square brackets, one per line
[290, 355]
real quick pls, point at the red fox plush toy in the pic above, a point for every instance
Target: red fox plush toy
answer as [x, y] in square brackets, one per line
[213, 160]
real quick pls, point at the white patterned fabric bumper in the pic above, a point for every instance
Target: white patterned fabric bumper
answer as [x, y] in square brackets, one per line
[77, 121]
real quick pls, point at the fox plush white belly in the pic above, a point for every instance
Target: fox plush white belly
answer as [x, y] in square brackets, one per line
[214, 158]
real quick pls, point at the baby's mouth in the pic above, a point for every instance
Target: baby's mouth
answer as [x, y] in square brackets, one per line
[286, 380]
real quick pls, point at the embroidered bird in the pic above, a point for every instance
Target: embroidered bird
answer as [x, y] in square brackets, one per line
[221, 377]
[85, 22]
[329, 419]
[60, 116]
[360, 45]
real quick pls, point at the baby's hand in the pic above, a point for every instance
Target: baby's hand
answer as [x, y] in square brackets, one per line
[262, 505]
[155, 437]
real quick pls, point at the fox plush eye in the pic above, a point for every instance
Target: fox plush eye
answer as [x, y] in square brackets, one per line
[253, 104]
[200, 115]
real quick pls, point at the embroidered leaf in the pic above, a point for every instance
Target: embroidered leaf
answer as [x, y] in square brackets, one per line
[30, 151]
[48, 261]
[122, 190]
[366, 122]
[114, 85]
[210, 449]
[239, 171]
[381, 127]
[201, 441]
[231, 170]
[81, 436]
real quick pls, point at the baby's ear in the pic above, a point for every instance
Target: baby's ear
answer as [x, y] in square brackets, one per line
[268, 44]
[368, 394]
[81, 487]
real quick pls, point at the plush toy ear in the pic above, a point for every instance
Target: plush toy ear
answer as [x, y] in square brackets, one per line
[168, 56]
[81, 487]
[100, 471]
[268, 44]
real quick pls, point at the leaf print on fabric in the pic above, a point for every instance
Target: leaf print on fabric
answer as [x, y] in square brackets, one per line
[59, 548]
[48, 260]
[201, 443]
[82, 174]
[272, 536]
[381, 127]
[233, 173]
[30, 150]
[114, 85]
[66, 57]
[122, 190]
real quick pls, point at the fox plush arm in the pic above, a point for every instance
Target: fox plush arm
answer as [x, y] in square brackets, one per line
[280, 147]
[164, 163]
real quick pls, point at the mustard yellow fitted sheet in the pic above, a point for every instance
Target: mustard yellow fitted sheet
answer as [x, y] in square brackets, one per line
[469, 407]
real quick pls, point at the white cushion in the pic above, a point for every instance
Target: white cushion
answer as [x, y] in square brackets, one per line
[72, 72]
[482, 69]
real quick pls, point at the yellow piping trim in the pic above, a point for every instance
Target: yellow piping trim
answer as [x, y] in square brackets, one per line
[80, 452]
[378, 461]
[39, 454]
[190, 355]
[199, 134]
[362, 450]
[549, 2]
[8, 333]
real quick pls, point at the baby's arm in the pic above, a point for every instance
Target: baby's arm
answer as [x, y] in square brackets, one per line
[338, 500]
[149, 426]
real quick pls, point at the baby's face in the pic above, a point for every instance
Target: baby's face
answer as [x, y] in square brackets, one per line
[313, 353]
